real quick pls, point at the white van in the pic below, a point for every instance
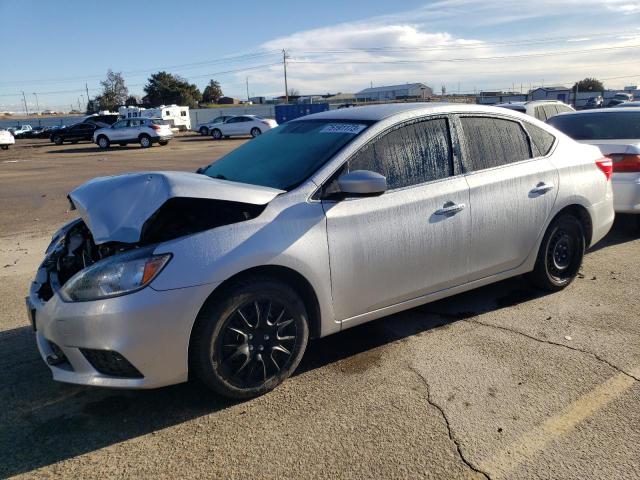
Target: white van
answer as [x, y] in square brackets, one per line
[177, 116]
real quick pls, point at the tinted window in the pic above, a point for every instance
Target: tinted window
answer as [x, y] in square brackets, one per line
[550, 111]
[120, 124]
[542, 141]
[218, 120]
[409, 155]
[599, 126]
[286, 156]
[491, 142]
[234, 120]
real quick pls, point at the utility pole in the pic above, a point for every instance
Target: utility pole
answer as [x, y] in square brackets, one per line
[37, 108]
[24, 99]
[247, 89]
[575, 98]
[87, 89]
[284, 63]
[79, 104]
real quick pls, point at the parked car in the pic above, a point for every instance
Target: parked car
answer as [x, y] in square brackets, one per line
[19, 131]
[594, 102]
[145, 131]
[635, 103]
[6, 139]
[329, 221]
[619, 98]
[102, 120]
[205, 128]
[540, 109]
[242, 125]
[74, 133]
[616, 131]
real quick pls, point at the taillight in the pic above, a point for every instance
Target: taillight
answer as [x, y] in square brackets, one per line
[264, 122]
[606, 166]
[626, 163]
[156, 127]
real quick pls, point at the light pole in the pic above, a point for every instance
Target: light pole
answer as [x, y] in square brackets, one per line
[37, 109]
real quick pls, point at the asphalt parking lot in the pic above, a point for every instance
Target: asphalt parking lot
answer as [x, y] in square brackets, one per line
[501, 383]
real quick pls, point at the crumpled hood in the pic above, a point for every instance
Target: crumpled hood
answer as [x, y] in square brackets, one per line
[115, 208]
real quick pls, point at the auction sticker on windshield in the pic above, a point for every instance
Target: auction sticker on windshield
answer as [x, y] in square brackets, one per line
[352, 128]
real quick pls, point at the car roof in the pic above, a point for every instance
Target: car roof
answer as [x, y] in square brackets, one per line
[603, 110]
[380, 112]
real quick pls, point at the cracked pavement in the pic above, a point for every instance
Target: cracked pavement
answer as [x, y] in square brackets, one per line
[499, 383]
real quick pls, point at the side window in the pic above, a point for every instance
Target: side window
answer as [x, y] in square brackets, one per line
[409, 155]
[167, 113]
[540, 114]
[120, 124]
[135, 123]
[542, 141]
[234, 120]
[563, 108]
[492, 142]
[550, 111]
[183, 113]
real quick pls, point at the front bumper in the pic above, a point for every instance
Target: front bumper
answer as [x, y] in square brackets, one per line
[149, 328]
[626, 192]
[161, 138]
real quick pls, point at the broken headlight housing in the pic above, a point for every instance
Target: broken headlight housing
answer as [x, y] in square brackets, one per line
[114, 276]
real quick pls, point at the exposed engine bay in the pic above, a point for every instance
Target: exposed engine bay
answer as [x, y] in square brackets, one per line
[75, 249]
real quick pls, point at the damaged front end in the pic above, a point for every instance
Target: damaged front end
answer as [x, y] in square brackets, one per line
[126, 216]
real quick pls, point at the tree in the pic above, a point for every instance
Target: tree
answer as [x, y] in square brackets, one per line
[133, 101]
[212, 92]
[163, 88]
[293, 92]
[589, 85]
[114, 91]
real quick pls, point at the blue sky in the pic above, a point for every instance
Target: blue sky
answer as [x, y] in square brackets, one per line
[53, 48]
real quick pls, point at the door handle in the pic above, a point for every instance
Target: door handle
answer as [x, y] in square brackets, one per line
[450, 208]
[542, 188]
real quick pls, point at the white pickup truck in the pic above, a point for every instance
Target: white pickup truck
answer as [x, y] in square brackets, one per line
[20, 130]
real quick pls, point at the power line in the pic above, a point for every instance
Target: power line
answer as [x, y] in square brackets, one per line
[467, 59]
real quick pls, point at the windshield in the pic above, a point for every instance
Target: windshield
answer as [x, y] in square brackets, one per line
[287, 155]
[599, 126]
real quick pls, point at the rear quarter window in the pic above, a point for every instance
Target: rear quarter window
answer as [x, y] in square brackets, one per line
[541, 140]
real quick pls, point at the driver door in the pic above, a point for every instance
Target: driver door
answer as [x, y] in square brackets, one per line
[401, 245]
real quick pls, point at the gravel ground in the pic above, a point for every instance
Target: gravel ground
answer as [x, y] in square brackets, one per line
[501, 382]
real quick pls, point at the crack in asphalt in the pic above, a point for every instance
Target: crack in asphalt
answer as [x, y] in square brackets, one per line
[446, 421]
[551, 342]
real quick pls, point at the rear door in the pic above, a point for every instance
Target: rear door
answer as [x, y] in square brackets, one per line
[512, 188]
[401, 245]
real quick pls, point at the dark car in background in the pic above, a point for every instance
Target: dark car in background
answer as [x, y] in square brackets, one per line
[74, 133]
[104, 120]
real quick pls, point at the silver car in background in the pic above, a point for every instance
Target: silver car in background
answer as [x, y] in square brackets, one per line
[323, 223]
[616, 132]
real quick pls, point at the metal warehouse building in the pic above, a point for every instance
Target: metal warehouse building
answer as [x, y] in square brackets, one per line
[395, 92]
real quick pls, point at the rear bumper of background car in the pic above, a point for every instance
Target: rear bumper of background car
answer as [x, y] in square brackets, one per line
[626, 192]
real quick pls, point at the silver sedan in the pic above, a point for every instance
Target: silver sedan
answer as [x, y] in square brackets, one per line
[324, 223]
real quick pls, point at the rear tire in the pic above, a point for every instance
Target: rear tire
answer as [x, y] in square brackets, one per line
[204, 131]
[249, 338]
[162, 143]
[145, 141]
[256, 132]
[216, 134]
[560, 255]
[103, 142]
[5, 147]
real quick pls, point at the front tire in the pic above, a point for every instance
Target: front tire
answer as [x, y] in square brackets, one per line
[162, 143]
[58, 140]
[249, 338]
[5, 147]
[216, 134]
[256, 132]
[103, 142]
[145, 141]
[560, 255]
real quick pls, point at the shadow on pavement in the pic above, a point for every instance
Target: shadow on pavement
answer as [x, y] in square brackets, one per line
[43, 422]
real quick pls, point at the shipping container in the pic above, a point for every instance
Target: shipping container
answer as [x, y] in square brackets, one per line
[284, 113]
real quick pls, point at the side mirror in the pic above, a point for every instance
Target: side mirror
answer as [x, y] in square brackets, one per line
[362, 183]
[200, 170]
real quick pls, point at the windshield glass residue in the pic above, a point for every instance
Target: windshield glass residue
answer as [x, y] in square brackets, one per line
[286, 156]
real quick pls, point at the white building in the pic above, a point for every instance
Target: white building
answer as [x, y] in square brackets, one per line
[177, 116]
[395, 92]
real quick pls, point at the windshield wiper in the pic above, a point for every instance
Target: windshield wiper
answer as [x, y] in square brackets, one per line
[220, 177]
